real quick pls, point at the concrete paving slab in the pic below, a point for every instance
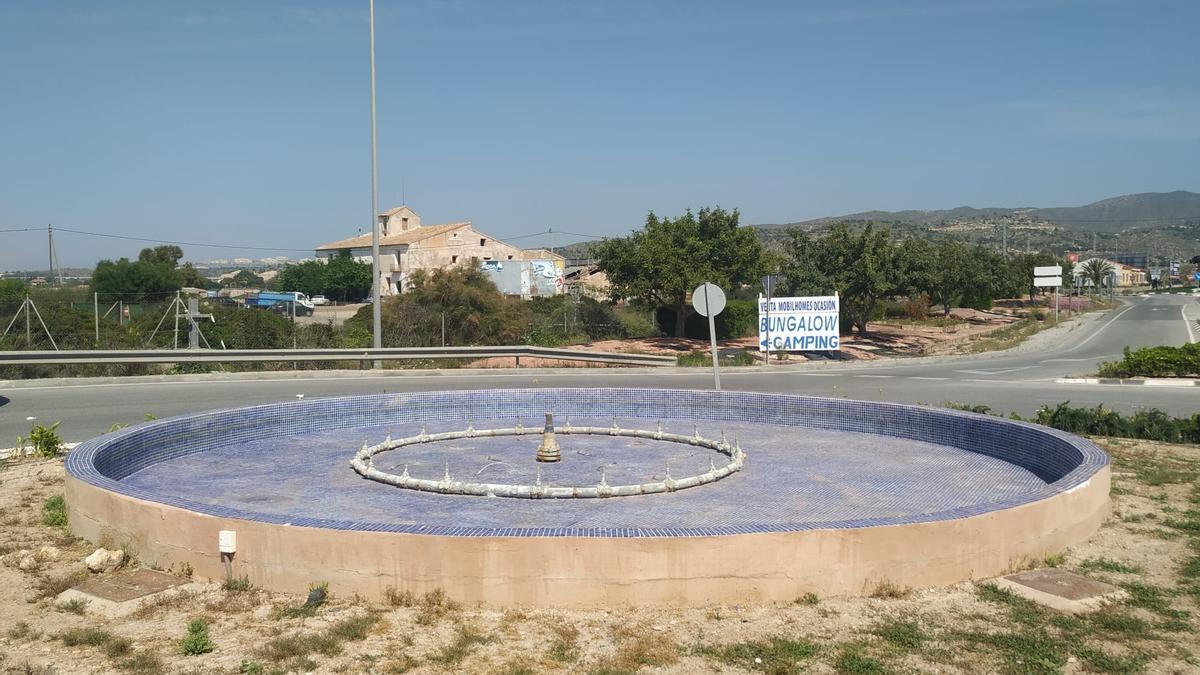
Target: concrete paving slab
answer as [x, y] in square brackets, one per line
[121, 594]
[1061, 590]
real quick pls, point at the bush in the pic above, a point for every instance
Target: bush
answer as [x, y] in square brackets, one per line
[1150, 425]
[196, 641]
[54, 511]
[1155, 362]
[46, 441]
[738, 319]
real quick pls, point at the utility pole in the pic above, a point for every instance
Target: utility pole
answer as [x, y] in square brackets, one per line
[1004, 228]
[50, 249]
[376, 316]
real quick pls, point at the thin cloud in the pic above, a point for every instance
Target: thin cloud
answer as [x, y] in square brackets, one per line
[1134, 115]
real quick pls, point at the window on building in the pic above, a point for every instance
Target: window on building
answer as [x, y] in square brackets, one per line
[404, 223]
[482, 242]
[453, 259]
[510, 257]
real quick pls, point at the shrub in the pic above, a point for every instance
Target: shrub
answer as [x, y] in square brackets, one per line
[196, 641]
[54, 511]
[46, 441]
[1155, 362]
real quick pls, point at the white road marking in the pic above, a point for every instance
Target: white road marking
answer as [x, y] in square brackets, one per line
[915, 377]
[1187, 322]
[994, 371]
[1101, 329]
[877, 376]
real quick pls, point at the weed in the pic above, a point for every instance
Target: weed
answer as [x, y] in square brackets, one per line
[565, 646]
[74, 606]
[1027, 651]
[197, 641]
[354, 628]
[433, 606]
[251, 668]
[1055, 560]
[22, 631]
[143, 663]
[808, 599]
[396, 598]
[467, 638]
[1020, 610]
[1106, 565]
[1119, 624]
[163, 603]
[328, 643]
[1101, 661]
[117, 647]
[52, 586]
[54, 512]
[888, 589]
[91, 637]
[901, 633]
[185, 570]
[238, 585]
[852, 660]
[1150, 597]
[775, 655]
[46, 441]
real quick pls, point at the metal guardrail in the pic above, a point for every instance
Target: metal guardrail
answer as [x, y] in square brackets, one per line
[43, 358]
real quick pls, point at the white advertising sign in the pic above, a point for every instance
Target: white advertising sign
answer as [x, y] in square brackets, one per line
[1047, 282]
[798, 324]
[1048, 271]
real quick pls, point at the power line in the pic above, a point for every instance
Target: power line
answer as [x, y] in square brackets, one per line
[161, 241]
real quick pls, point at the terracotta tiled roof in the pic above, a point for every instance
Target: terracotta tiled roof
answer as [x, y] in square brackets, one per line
[395, 239]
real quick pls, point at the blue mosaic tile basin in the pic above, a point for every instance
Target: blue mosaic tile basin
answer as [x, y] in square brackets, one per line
[812, 463]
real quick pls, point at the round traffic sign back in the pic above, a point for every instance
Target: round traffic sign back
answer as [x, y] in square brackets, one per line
[708, 299]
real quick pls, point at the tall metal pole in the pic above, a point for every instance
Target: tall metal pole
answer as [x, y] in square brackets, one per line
[376, 317]
[96, 313]
[50, 248]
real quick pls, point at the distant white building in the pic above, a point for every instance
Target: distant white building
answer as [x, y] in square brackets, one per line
[406, 246]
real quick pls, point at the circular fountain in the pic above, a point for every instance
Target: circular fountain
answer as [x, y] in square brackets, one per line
[634, 496]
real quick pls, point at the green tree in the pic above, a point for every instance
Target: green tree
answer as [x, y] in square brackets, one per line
[659, 265]
[862, 268]
[12, 292]
[243, 279]
[1096, 271]
[192, 277]
[135, 281]
[165, 255]
[340, 278]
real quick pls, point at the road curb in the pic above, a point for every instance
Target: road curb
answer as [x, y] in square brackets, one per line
[1148, 382]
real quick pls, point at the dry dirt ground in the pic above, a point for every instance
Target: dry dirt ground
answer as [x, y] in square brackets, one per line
[965, 330]
[1150, 546]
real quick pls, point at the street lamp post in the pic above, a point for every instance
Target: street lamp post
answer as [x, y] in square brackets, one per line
[376, 320]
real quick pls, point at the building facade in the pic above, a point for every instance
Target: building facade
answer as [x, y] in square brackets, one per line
[1122, 275]
[406, 246]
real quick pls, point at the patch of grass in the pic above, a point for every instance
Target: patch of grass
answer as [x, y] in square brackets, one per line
[890, 590]
[1153, 598]
[808, 599]
[54, 511]
[1107, 565]
[1020, 610]
[1055, 560]
[238, 585]
[776, 655]
[465, 641]
[143, 663]
[22, 631]
[1100, 661]
[1119, 624]
[853, 660]
[1030, 650]
[901, 633]
[164, 603]
[74, 606]
[434, 605]
[118, 647]
[1157, 474]
[90, 637]
[197, 641]
[564, 648]
[399, 598]
[292, 648]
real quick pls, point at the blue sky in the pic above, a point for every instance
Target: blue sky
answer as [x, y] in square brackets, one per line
[246, 123]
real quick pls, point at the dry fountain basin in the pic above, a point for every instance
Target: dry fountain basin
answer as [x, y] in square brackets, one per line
[657, 496]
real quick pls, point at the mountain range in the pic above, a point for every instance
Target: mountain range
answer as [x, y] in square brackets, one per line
[1116, 214]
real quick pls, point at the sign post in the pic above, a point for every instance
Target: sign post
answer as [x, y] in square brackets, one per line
[768, 283]
[1049, 276]
[709, 300]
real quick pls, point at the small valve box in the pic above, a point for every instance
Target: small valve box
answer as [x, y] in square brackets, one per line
[227, 541]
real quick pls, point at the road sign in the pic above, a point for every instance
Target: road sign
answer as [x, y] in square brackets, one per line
[1048, 271]
[798, 324]
[708, 299]
[1047, 282]
[769, 283]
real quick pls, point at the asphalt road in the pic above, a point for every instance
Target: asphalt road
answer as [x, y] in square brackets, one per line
[1019, 380]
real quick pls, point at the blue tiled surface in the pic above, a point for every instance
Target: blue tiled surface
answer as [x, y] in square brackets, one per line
[813, 463]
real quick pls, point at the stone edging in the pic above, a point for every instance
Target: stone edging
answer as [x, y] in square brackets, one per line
[1149, 382]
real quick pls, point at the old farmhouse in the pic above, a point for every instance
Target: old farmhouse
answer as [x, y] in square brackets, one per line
[406, 246]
